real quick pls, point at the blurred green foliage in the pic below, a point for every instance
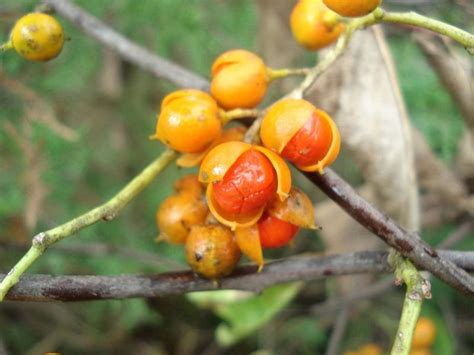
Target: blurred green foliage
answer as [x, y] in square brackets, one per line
[112, 146]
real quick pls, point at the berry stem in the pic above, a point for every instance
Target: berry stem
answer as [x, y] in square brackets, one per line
[464, 38]
[6, 46]
[417, 290]
[107, 211]
[274, 74]
[238, 113]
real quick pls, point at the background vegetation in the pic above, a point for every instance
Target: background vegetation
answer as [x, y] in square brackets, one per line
[73, 131]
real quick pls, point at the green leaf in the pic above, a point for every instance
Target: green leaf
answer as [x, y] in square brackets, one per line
[246, 316]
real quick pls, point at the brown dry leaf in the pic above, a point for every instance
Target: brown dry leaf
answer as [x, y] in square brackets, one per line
[361, 93]
[456, 72]
[366, 103]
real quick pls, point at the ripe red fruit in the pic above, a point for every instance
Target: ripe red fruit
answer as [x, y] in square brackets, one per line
[274, 232]
[247, 186]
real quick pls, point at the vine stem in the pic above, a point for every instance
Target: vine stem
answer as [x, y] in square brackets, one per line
[418, 289]
[106, 212]
[274, 74]
[6, 46]
[239, 113]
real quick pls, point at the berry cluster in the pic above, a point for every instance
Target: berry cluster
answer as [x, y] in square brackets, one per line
[249, 203]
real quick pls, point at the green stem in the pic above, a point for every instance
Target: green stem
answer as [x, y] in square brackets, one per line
[106, 212]
[417, 290]
[274, 74]
[227, 116]
[412, 18]
[6, 46]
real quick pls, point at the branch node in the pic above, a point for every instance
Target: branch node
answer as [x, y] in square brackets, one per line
[41, 240]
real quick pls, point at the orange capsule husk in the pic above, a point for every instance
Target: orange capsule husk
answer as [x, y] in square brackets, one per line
[285, 118]
[313, 25]
[239, 79]
[219, 160]
[248, 240]
[297, 209]
[190, 160]
[189, 121]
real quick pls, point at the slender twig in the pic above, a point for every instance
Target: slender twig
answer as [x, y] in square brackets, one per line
[238, 113]
[418, 289]
[46, 288]
[339, 329]
[407, 243]
[6, 46]
[274, 74]
[106, 212]
[127, 49]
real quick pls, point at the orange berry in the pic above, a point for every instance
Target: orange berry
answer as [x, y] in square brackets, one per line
[37, 37]
[239, 79]
[352, 8]
[370, 349]
[189, 184]
[301, 133]
[241, 180]
[275, 233]
[313, 25]
[193, 159]
[189, 121]
[211, 251]
[177, 214]
[425, 333]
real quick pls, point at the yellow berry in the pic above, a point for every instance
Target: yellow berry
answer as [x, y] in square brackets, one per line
[37, 37]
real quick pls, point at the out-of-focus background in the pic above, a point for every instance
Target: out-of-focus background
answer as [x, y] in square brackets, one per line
[74, 130]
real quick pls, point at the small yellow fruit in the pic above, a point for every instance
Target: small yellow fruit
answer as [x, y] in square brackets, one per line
[37, 37]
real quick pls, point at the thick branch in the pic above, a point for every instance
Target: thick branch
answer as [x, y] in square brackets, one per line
[408, 244]
[127, 49]
[46, 288]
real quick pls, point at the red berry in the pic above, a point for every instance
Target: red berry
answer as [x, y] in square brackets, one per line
[248, 184]
[275, 233]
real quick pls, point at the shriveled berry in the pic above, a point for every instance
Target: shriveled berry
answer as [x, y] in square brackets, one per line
[211, 251]
[177, 214]
[189, 184]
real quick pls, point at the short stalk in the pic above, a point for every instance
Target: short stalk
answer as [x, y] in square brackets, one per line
[417, 290]
[274, 74]
[6, 46]
[227, 116]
